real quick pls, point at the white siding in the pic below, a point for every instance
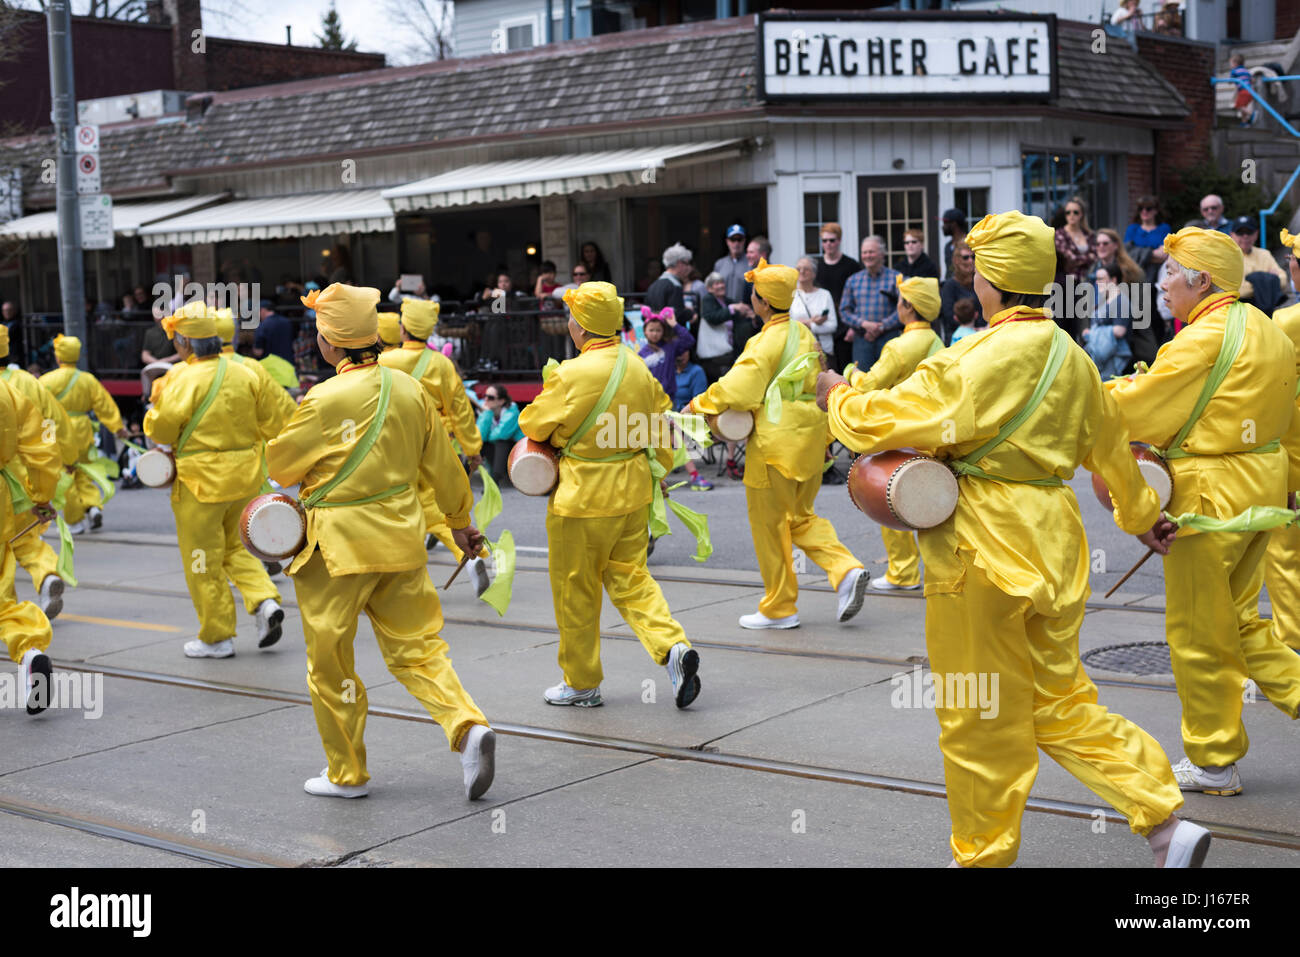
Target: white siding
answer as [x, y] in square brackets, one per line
[476, 19]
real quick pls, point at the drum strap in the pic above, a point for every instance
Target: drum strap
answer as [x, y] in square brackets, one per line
[965, 466]
[68, 388]
[422, 363]
[599, 409]
[359, 452]
[197, 417]
[1234, 334]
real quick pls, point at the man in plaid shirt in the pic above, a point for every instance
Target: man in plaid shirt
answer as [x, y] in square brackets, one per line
[872, 318]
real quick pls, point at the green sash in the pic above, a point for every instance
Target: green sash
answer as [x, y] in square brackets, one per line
[17, 492]
[359, 452]
[599, 409]
[965, 466]
[787, 384]
[936, 346]
[422, 364]
[1234, 334]
[68, 388]
[7, 374]
[202, 409]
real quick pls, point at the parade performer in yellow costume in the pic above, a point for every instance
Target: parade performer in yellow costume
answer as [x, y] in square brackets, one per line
[29, 471]
[785, 455]
[352, 446]
[280, 399]
[438, 375]
[390, 331]
[1015, 411]
[80, 393]
[597, 516]
[1282, 560]
[918, 306]
[215, 415]
[1218, 400]
[31, 551]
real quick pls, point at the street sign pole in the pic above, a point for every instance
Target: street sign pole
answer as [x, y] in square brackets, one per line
[72, 280]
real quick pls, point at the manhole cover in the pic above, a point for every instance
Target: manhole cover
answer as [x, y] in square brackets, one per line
[1137, 658]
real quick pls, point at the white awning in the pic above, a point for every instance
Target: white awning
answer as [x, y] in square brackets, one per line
[551, 175]
[276, 217]
[127, 217]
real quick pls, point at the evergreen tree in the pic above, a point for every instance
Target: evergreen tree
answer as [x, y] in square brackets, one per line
[333, 38]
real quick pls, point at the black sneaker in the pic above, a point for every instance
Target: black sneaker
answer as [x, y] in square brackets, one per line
[39, 676]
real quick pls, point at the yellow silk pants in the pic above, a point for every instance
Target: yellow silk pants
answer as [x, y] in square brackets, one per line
[1281, 568]
[1217, 641]
[404, 611]
[23, 626]
[32, 553]
[781, 516]
[586, 554]
[1043, 699]
[904, 558]
[211, 552]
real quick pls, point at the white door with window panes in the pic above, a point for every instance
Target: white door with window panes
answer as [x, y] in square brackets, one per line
[888, 206]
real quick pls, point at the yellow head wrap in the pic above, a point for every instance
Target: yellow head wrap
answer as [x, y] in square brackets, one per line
[67, 348]
[345, 315]
[923, 294]
[4, 340]
[419, 317]
[390, 328]
[224, 320]
[1292, 242]
[775, 283]
[1015, 252]
[596, 307]
[193, 320]
[1209, 250]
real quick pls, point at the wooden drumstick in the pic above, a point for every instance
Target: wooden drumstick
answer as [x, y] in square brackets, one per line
[1128, 574]
[464, 559]
[24, 531]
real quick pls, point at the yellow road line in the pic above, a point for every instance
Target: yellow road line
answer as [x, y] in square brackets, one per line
[118, 623]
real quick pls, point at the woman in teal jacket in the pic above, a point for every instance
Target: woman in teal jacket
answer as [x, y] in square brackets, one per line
[499, 426]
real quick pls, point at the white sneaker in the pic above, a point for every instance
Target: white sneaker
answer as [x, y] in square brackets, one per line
[95, 515]
[884, 584]
[51, 598]
[79, 528]
[478, 758]
[1221, 781]
[218, 649]
[35, 674]
[1188, 845]
[758, 620]
[324, 787]
[851, 591]
[269, 618]
[478, 570]
[683, 663]
[563, 694]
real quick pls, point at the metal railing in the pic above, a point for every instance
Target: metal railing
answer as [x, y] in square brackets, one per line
[1287, 127]
[487, 344]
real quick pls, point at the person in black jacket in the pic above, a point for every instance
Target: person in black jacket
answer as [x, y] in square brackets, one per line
[667, 289]
[833, 271]
[916, 262]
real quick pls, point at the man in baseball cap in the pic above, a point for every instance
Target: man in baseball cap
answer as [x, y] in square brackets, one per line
[732, 266]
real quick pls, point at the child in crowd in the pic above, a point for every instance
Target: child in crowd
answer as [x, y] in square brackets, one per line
[546, 283]
[661, 346]
[1244, 103]
[963, 312]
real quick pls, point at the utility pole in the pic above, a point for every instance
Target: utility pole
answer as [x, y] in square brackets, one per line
[63, 98]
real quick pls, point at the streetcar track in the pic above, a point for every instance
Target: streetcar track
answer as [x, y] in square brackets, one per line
[739, 647]
[700, 754]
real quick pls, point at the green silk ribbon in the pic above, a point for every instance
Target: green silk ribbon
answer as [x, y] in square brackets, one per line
[485, 511]
[1257, 518]
[786, 385]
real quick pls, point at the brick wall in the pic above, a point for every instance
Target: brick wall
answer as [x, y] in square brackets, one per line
[1187, 65]
[1288, 19]
[234, 64]
[1141, 181]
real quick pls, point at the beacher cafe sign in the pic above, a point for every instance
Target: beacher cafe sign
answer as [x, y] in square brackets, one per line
[909, 56]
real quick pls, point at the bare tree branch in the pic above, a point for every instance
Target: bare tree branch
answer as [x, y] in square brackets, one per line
[428, 29]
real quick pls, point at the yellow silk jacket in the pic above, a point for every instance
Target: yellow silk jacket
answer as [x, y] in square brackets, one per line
[796, 445]
[1028, 539]
[86, 395]
[412, 448]
[23, 381]
[898, 359]
[633, 421]
[1254, 405]
[445, 386]
[281, 402]
[24, 450]
[221, 462]
[1288, 320]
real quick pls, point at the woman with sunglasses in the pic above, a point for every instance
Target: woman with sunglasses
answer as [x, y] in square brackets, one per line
[958, 286]
[498, 424]
[1145, 237]
[1076, 254]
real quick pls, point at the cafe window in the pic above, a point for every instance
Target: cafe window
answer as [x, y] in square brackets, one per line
[1050, 179]
[818, 209]
[974, 202]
